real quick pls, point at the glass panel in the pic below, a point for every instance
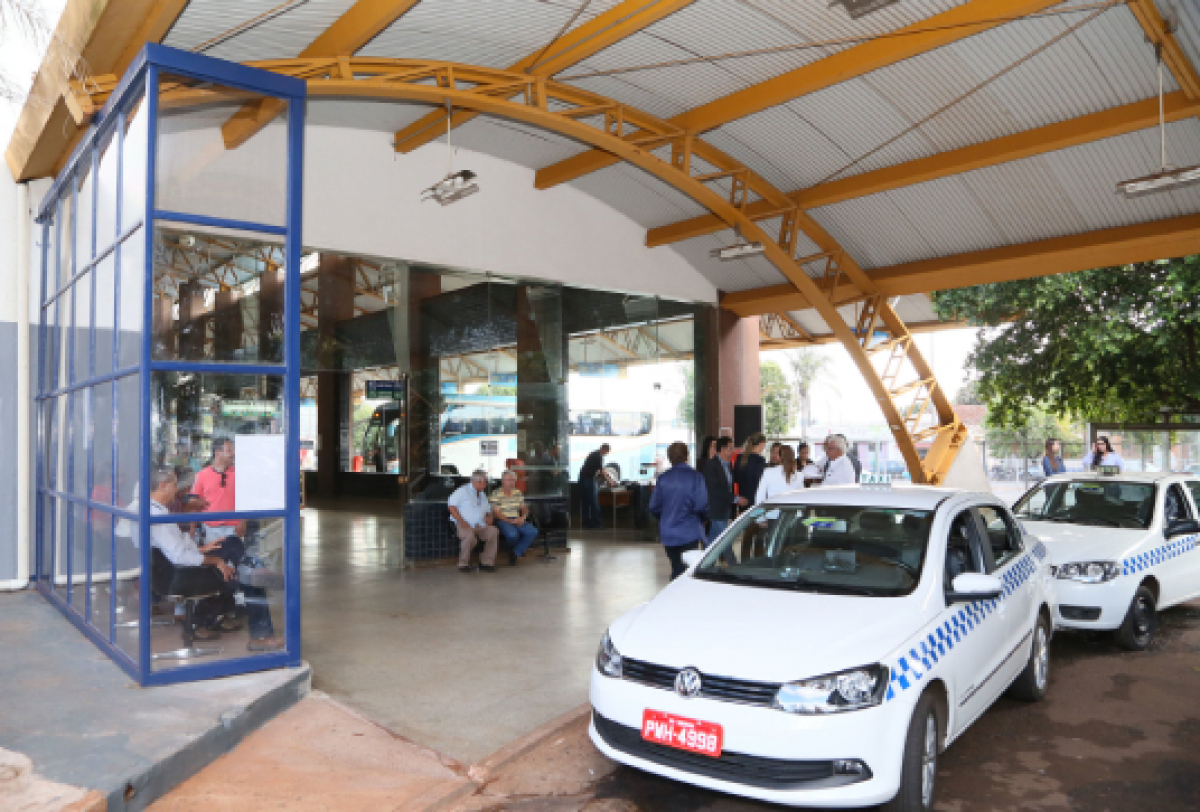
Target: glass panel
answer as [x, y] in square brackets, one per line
[106, 200]
[102, 449]
[198, 172]
[127, 585]
[256, 626]
[83, 212]
[62, 523]
[45, 536]
[104, 314]
[129, 399]
[209, 302]
[80, 438]
[102, 581]
[66, 243]
[204, 423]
[134, 154]
[61, 483]
[50, 236]
[49, 348]
[81, 330]
[79, 558]
[131, 304]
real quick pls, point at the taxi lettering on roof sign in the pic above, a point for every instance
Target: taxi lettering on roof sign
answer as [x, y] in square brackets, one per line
[1123, 546]
[886, 592]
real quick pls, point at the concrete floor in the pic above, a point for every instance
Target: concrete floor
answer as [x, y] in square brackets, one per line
[459, 663]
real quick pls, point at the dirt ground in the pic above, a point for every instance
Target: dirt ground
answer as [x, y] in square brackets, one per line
[1118, 732]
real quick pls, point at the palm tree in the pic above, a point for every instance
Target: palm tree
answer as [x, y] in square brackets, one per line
[806, 365]
[25, 19]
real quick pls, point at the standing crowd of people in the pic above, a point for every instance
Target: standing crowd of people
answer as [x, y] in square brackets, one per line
[695, 505]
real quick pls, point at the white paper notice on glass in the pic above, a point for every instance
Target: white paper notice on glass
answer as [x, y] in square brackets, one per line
[261, 461]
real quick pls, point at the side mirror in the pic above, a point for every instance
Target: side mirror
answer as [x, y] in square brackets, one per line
[692, 557]
[974, 586]
[1184, 527]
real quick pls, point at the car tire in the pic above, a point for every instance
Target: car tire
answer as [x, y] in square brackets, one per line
[918, 774]
[1030, 684]
[1141, 621]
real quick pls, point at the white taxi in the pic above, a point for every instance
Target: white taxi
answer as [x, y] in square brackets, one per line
[1122, 547]
[828, 646]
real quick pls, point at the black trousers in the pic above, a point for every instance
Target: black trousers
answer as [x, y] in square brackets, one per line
[675, 554]
[232, 551]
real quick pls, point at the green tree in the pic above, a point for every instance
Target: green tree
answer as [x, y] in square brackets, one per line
[1113, 344]
[806, 366]
[776, 398]
[968, 394]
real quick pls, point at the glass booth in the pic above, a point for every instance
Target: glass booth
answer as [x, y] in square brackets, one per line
[168, 383]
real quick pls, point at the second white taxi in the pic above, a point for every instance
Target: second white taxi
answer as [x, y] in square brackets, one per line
[1123, 546]
[828, 646]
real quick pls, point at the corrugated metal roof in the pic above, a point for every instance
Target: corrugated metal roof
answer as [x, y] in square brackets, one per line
[283, 35]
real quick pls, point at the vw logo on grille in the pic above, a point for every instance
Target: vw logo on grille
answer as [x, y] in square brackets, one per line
[688, 683]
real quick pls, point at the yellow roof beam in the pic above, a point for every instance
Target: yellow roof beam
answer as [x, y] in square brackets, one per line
[360, 24]
[941, 29]
[1173, 56]
[573, 47]
[108, 35]
[1144, 242]
[1085, 129]
[914, 327]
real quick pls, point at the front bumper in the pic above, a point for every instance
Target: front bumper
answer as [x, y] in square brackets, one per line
[761, 743]
[1112, 599]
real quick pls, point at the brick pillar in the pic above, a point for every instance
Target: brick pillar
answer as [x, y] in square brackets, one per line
[738, 381]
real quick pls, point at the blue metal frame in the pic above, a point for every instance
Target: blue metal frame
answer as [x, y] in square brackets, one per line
[141, 81]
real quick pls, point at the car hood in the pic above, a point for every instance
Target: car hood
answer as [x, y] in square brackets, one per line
[767, 635]
[1080, 542]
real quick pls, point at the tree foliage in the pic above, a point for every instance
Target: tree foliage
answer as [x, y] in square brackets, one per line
[776, 399]
[806, 366]
[1112, 344]
[687, 406]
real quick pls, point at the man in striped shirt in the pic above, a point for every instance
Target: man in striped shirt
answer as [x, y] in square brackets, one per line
[512, 517]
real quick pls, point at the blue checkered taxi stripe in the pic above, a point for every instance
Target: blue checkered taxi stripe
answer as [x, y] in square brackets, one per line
[910, 668]
[1144, 561]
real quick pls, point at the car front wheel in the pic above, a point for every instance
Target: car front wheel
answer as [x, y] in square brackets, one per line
[1030, 684]
[918, 777]
[1140, 623]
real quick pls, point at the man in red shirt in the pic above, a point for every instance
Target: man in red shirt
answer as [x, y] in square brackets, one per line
[214, 484]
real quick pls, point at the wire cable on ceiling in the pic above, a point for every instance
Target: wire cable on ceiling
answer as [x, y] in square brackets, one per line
[827, 43]
[975, 89]
[566, 27]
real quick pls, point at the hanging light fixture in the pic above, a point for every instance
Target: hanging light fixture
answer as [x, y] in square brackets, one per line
[1167, 177]
[456, 185]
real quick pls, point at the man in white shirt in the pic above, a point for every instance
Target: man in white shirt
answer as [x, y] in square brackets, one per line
[471, 513]
[838, 468]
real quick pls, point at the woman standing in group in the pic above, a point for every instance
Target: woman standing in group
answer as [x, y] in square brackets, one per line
[782, 478]
[1052, 461]
[750, 466]
[773, 460]
[1102, 454]
[707, 452]
[808, 469]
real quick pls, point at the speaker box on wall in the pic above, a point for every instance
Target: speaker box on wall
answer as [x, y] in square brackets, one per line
[746, 421]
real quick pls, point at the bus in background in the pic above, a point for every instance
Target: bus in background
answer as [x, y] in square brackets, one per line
[479, 432]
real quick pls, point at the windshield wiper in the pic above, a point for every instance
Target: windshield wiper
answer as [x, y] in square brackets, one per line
[723, 575]
[816, 586]
[1101, 522]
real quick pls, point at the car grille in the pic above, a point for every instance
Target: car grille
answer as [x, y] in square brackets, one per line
[725, 689]
[754, 771]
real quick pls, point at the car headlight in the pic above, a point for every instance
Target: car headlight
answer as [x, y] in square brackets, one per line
[608, 659]
[1089, 572]
[844, 691]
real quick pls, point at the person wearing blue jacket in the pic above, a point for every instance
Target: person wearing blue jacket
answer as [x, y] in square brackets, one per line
[680, 503]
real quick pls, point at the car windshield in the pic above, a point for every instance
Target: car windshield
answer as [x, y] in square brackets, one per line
[842, 550]
[1090, 502]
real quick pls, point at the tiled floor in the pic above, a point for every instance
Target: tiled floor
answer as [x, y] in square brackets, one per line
[460, 663]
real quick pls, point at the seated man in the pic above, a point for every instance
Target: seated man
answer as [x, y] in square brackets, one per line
[472, 517]
[512, 517]
[222, 556]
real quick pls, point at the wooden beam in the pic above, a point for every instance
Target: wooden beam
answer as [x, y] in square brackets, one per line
[1176, 60]
[1144, 242]
[1085, 129]
[941, 29]
[360, 24]
[107, 35]
[619, 22]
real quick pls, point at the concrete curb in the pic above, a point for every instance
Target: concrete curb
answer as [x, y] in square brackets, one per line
[485, 770]
[156, 779]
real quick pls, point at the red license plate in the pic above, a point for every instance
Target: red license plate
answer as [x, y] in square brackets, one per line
[682, 733]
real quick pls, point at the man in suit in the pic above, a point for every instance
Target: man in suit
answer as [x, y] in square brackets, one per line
[718, 479]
